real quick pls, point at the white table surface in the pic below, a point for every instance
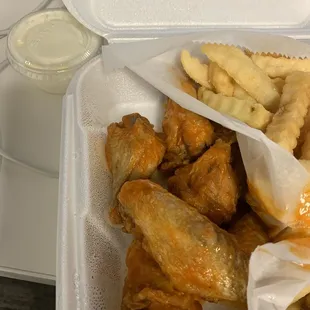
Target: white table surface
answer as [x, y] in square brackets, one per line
[30, 126]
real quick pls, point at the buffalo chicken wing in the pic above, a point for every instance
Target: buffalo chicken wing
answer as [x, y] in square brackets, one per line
[209, 184]
[133, 151]
[146, 287]
[187, 136]
[197, 256]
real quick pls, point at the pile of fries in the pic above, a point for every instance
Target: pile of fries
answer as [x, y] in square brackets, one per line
[268, 92]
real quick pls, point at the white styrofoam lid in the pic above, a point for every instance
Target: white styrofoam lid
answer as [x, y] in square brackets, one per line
[130, 17]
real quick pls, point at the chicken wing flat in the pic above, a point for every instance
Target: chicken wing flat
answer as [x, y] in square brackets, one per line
[196, 255]
[133, 151]
[187, 136]
[249, 232]
[209, 184]
[146, 287]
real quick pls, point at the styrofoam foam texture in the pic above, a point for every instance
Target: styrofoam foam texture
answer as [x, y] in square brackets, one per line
[91, 253]
[123, 19]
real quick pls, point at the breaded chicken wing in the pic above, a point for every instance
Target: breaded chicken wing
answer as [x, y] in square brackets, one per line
[209, 184]
[196, 255]
[133, 151]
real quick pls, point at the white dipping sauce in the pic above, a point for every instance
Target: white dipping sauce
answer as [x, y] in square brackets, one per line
[49, 46]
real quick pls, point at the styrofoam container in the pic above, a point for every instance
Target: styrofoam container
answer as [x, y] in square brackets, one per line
[91, 253]
[89, 263]
[128, 20]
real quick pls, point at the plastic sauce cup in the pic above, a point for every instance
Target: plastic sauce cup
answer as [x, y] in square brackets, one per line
[49, 46]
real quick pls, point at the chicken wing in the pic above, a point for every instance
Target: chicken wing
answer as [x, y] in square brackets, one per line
[133, 151]
[249, 232]
[224, 134]
[187, 136]
[209, 184]
[196, 255]
[146, 287]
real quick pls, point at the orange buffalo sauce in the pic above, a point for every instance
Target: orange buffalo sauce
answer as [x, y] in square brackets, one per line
[300, 242]
[302, 214]
[264, 206]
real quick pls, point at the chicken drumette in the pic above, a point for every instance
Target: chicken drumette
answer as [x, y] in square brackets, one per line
[133, 151]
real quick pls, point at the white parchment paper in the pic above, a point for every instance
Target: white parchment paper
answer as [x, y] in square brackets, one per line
[273, 174]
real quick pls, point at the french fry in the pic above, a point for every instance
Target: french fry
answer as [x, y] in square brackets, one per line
[279, 84]
[200, 92]
[249, 76]
[195, 69]
[285, 126]
[240, 93]
[221, 81]
[280, 66]
[224, 84]
[248, 111]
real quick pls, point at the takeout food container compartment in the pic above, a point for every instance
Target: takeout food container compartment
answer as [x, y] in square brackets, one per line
[83, 223]
[91, 257]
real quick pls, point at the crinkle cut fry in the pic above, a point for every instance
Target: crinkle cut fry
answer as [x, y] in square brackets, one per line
[220, 80]
[285, 126]
[280, 66]
[248, 111]
[226, 86]
[279, 84]
[195, 69]
[242, 69]
[240, 93]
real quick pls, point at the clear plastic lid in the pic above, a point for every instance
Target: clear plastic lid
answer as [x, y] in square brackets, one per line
[50, 42]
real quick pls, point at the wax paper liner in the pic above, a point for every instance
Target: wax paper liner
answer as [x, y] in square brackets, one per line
[276, 179]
